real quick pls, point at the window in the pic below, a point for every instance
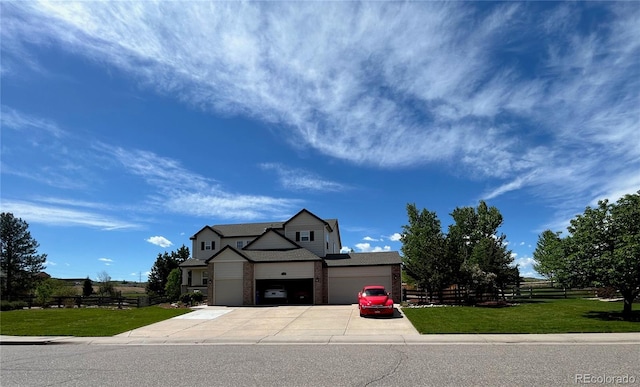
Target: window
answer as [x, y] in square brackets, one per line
[304, 236]
[239, 244]
[205, 277]
[208, 245]
[189, 277]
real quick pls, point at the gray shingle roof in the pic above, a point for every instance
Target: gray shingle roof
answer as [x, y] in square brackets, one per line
[363, 259]
[245, 229]
[191, 262]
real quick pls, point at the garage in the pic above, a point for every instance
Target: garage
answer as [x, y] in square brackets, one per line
[227, 284]
[295, 277]
[298, 291]
[346, 282]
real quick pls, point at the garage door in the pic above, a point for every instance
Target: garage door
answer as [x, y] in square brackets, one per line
[227, 285]
[346, 282]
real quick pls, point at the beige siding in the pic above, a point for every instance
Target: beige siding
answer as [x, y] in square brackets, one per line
[294, 270]
[345, 282]
[233, 242]
[306, 222]
[271, 241]
[205, 235]
[227, 270]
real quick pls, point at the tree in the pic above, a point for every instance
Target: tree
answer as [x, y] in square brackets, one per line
[603, 249]
[162, 267]
[549, 255]
[87, 288]
[106, 286]
[19, 260]
[473, 240]
[172, 288]
[423, 250]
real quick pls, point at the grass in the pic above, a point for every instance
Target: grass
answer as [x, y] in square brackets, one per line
[81, 322]
[541, 316]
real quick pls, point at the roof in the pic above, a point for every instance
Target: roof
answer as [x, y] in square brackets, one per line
[292, 255]
[363, 259]
[191, 262]
[245, 229]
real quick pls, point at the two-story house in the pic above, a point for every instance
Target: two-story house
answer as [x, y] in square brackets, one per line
[236, 263]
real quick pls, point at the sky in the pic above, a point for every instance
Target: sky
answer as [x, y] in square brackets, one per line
[128, 126]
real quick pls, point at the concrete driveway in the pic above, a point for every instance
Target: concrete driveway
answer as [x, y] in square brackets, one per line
[303, 323]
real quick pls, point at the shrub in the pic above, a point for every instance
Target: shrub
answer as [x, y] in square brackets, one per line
[12, 305]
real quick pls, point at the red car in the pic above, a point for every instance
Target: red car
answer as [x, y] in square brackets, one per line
[374, 300]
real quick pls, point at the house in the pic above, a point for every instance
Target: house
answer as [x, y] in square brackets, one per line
[236, 263]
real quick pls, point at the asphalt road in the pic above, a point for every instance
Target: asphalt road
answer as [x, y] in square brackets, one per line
[317, 365]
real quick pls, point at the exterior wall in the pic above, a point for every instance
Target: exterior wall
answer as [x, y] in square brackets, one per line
[205, 235]
[234, 241]
[318, 284]
[271, 241]
[325, 285]
[396, 283]
[248, 291]
[334, 242]
[306, 222]
[293, 270]
[210, 269]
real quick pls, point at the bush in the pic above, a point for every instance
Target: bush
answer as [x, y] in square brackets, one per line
[191, 298]
[12, 305]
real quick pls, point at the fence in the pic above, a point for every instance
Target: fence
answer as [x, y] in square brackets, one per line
[461, 296]
[79, 301]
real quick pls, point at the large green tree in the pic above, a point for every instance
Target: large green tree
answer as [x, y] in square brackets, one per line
[19, 260]
[474, 240]
[473, 253]
[423, 247]
[549, 256]
[163, 265]
[602, 249]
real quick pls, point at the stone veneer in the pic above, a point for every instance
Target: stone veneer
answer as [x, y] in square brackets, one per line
[396, 284]
[210, 295]
[247, 284]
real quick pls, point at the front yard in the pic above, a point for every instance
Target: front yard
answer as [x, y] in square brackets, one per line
[539, 316]
[81, 322]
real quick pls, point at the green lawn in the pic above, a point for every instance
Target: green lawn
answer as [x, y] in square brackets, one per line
[81, 322]
[540, 316]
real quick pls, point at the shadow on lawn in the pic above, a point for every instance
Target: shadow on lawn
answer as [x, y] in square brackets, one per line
[613, 316]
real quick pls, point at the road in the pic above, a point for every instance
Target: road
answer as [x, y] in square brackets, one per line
[317, 365]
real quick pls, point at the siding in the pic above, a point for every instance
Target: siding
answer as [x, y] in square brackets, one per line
[306, 222]
[271, 241]
[294, 270]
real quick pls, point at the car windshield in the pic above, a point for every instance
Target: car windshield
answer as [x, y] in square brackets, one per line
[375, 292]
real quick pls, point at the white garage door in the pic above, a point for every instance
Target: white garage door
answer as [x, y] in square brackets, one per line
[346, 282]
[227, 285]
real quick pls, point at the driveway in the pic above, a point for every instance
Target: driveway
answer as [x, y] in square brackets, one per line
[315, 323]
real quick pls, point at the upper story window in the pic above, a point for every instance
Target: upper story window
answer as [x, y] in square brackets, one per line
[304, 236]
[208, 245]
[239, 244]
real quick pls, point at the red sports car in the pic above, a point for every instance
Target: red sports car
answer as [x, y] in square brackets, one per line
[374, 300]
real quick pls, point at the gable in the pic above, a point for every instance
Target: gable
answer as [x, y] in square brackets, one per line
[228, 254]
[304, 218]
[271, 240]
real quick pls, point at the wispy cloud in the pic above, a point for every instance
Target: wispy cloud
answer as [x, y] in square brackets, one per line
[159, 241]
[13, 119]
[63, 215]
[447, 83]
[297, 179]
[105, 260]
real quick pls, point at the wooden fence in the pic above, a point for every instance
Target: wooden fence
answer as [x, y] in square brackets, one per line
[100, 301]
[461, 296]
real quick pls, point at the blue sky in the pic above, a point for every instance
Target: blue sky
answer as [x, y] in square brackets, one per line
[126, 127]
